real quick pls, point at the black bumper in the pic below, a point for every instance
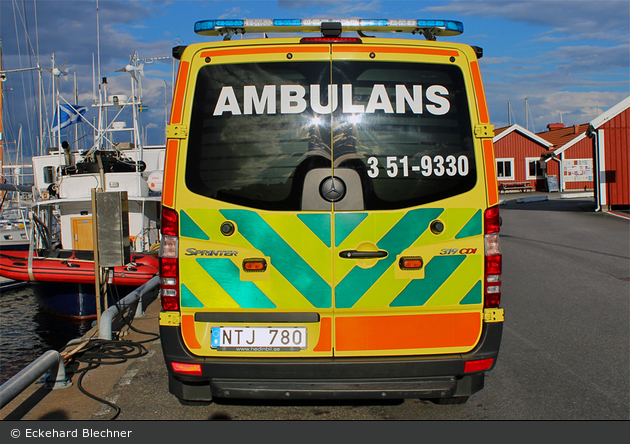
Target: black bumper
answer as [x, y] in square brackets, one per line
[426, 377]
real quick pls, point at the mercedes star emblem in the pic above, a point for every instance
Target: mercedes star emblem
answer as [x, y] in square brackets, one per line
[332, 189]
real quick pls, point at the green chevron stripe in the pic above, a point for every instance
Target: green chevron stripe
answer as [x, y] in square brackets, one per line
[358, 281]
[419, 291]
[246, 294]
[473, 296]
[188, 299]
[472, 228]
[189, 228]
[345, 223]
[319, 224]
[284, 258]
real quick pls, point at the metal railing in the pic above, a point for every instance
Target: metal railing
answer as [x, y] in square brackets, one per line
[17, 384]
[107, 317]
[52, 359]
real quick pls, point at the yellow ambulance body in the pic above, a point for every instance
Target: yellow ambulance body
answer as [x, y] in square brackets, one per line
[330, 220]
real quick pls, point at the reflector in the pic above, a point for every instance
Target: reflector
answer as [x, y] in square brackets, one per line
[254, 265]
[410, 262]
[189, 369]
[477, 366]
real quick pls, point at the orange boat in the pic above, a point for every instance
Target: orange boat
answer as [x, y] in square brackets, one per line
[63, 282]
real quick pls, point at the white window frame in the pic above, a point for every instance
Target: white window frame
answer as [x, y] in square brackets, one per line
[509, 160]
[528, 160]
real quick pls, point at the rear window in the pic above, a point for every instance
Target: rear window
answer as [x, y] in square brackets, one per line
[257, 129]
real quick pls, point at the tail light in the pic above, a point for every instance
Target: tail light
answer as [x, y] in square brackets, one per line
[478, 366]
[493, 266]
[169, 260]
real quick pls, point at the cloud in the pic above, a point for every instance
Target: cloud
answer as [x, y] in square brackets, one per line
[297, 4]
[68, 30]
[339, 8]
[590, 58]
[602, 20]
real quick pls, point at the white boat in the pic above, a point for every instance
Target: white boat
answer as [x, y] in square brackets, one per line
[61, 216]
[14, 227]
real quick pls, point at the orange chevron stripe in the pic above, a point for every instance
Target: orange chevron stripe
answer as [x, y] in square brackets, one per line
[264, 50]
[180, 91]
[396, 50]
[325, 336]
[491, 175]
[479, 94]
[170, 168]
[188, 331]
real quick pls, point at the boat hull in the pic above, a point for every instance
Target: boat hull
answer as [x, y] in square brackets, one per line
[74, 300]
[65, 284]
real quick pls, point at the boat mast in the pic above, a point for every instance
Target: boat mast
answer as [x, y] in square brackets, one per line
[3, 78]
[56, 99]
[101, 85]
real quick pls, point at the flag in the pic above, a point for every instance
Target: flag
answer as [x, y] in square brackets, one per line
[143, 108]
[69, 114]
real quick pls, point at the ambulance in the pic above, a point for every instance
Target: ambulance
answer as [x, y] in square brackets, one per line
[330, 222]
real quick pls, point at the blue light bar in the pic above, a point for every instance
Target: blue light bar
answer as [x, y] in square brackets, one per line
[287, 22]
[449, 25]
[229, 23]
[222, 27]
[204, 25]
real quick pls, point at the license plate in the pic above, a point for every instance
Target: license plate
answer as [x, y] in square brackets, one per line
[264, 339]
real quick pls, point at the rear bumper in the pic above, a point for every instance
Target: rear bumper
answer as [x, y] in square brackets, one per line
[437, 376]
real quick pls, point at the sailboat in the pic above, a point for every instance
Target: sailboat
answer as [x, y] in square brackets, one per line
[13, 210]
[59, 263]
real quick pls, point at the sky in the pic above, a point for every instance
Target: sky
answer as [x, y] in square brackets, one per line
[562, 61]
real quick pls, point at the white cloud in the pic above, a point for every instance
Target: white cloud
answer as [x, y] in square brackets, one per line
[594, 20]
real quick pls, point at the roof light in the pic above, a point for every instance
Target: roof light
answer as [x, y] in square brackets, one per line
[435, 27]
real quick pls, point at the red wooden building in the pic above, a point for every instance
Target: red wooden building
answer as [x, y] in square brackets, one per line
[610, 134]
[571, 157]
[518, 152]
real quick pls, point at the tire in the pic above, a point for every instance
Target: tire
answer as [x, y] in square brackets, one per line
[450, 401]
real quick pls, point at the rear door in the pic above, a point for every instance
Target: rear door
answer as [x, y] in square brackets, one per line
[255, 240]
[404, 155]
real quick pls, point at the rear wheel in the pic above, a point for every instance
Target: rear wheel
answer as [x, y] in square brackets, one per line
[450, 401]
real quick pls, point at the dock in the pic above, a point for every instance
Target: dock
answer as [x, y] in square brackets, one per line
[138, 346]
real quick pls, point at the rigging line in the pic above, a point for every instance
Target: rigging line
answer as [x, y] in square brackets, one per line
[24, 25]
[27, 42]
[36, 31]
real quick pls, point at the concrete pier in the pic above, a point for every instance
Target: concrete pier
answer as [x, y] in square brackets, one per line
[39, 402]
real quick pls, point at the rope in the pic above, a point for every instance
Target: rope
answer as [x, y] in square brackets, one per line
[102, 352]
[96, 352]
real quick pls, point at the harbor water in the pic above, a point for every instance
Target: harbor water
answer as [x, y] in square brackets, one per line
[27, 331]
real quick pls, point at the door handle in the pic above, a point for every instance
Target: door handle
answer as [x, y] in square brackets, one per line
[355, 254]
